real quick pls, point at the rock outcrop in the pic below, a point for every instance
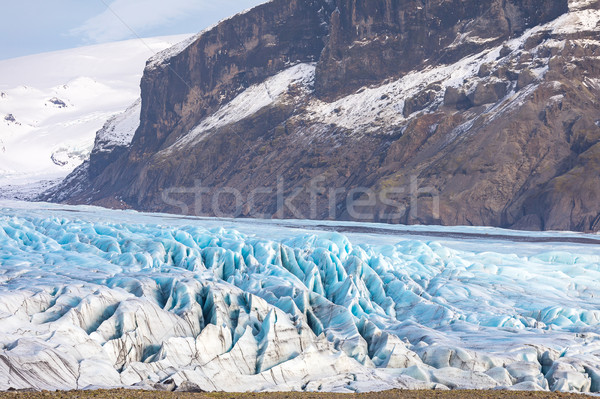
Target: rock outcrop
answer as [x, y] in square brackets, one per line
[178, 92]
[429, 112]
[371, 41]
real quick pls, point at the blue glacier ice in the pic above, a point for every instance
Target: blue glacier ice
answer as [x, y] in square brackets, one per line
[93, 298]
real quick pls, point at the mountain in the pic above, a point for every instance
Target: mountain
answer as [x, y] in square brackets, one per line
[52, 105]
[94, 298]
[452, 112]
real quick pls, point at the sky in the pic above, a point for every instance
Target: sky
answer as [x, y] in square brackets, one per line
[35, 26]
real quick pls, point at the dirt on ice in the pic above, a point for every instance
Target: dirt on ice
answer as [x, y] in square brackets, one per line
[131, 394]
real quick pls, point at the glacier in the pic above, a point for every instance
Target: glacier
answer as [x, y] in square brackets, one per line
[52, 105]
[94, 298]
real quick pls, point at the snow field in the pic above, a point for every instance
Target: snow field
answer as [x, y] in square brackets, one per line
[52, 104]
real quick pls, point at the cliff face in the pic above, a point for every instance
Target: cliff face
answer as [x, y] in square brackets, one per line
[222, 62]
[451, 112]
[371, 41]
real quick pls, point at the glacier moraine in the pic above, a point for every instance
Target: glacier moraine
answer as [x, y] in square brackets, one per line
[92, 298]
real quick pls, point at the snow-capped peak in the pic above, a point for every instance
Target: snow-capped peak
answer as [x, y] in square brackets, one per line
[52, 105]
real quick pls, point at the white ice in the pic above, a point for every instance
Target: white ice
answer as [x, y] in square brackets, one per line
[258, 305]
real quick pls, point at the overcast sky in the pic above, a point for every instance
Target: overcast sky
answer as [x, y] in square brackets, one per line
[35, 26]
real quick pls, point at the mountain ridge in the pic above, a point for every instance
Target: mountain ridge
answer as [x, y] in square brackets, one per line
[504, 134]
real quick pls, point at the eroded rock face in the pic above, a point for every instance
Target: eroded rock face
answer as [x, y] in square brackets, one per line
[378, 39]
[488, 123]
[179, 92]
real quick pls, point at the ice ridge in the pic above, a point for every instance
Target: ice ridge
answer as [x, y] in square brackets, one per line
[90, 304]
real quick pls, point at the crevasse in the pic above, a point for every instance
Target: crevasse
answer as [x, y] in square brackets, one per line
[155, 304]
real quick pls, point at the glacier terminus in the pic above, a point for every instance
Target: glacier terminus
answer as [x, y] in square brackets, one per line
[95, 298]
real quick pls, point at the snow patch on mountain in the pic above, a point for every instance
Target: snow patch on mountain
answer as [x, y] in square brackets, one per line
[119, 130]
[575, 5]
[587, 20]
[253, 100]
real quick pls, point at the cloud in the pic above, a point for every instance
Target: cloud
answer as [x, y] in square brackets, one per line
[124, 19]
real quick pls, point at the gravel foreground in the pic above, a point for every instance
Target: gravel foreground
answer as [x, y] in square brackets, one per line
[131, 394]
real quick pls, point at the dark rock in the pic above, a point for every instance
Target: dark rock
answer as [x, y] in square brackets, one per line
[187, 386]
[505, 73]
[526, 77]
[511, 75]
[583, 134]
[57, 161]
[505, 51]
[456, 98]
[166, 386]
[530, 223]
[484, 70]
[525, 60]
[100, 160]
[547, 51]
[487, 93]
[535, 40]
[57, 102]
[421, 100]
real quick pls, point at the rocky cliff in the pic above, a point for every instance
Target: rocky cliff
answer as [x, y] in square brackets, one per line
[432, 111]
[371, 41]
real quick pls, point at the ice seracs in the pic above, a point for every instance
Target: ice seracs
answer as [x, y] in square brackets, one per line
[164, 303]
